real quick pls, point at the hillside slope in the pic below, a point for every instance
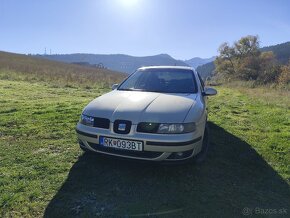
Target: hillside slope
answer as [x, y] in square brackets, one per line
[281, 51]
[117, 62]
[24, 67]
[206, 70]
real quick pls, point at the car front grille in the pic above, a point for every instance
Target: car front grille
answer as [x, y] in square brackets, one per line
[101, 123]
[140, 154]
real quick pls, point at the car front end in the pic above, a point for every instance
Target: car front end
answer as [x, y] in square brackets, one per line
[138, 145]
[157, 114]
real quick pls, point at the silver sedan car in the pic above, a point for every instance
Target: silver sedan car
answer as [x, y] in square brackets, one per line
[157, 114]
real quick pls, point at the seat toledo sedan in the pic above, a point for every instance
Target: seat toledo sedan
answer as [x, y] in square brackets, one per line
[157, 113]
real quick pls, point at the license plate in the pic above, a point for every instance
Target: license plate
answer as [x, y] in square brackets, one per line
[121, 144]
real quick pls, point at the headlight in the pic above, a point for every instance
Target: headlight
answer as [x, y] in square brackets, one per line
[166, 128]
[87, 120]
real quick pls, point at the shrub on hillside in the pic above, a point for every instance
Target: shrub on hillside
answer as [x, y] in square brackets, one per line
[244, 61]
[284, 77]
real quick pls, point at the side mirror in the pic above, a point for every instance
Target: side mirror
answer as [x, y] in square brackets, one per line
[209, 91]
[114, 86]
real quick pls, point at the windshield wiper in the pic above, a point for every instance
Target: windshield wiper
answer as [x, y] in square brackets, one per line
[142, 90]
[131, 89]
[156, 91]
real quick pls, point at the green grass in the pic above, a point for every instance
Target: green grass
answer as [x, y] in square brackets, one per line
[261, 118]
[44, 173]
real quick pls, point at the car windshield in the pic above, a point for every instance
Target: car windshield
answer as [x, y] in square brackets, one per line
[161, 80]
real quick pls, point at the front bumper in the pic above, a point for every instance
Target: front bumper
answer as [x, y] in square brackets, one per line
[157, 147]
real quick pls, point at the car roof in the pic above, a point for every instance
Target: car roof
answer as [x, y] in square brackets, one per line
[167, 67]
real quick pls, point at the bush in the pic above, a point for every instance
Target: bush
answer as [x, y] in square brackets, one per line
[244, 61]
[284, 77]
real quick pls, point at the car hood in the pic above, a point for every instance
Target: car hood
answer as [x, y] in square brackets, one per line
[138, 106]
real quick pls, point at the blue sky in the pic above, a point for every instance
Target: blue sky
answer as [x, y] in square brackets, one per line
[181, 28]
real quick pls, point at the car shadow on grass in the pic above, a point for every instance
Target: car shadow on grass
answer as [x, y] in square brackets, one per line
[234, 181]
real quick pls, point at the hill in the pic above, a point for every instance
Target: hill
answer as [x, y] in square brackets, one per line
[116, 62]
[25, 67]
[281, 51]
[206, 70]
[196, 61]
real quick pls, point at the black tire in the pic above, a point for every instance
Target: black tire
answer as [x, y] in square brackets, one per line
[200, 157]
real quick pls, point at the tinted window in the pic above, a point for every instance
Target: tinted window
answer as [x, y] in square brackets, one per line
[161, 80]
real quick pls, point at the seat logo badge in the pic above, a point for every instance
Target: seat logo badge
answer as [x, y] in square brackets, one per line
[122, 127]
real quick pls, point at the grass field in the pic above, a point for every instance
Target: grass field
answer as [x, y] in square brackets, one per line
[44, 173]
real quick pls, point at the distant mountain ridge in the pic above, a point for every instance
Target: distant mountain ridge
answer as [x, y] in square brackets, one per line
[197, 61]
[127, 63]
[116, 62]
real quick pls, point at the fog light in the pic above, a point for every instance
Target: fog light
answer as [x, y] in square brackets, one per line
[180, 155]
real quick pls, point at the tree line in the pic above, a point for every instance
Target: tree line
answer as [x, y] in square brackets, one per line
[245, 61]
